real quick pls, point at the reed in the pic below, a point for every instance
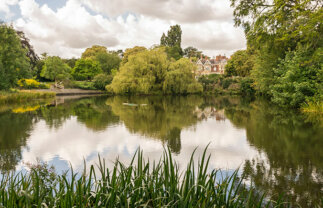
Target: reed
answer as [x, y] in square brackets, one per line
[22, 96]
[139, 184]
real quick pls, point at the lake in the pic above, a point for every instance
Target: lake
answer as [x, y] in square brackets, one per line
[279, 150]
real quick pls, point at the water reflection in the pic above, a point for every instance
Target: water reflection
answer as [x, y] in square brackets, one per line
[278, 149]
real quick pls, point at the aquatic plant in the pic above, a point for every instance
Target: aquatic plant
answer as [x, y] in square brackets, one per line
[139, 184]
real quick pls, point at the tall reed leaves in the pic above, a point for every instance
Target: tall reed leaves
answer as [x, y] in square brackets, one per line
[139, 184]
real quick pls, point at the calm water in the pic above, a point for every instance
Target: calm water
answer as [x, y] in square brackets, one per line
[281, 151]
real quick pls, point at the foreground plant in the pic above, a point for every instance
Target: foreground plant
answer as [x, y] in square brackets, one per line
[140, 184]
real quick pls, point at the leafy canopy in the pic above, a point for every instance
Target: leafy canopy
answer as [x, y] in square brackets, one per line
[86, 69]
[55, 69]
[14, 64]
[287, 38]
[108, 61]
[240, 64]
[151, 72]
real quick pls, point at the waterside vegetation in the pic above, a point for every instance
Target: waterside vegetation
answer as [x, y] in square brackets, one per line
[139, 184]
[23, 96]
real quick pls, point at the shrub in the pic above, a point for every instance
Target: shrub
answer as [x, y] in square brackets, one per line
[101, 80]
[246, 87]
[85, 85]
[31, 84]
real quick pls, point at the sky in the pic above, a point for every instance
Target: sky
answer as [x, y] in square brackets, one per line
[67, 27]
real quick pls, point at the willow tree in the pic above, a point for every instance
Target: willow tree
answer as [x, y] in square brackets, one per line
[144, 73]
[180, 78]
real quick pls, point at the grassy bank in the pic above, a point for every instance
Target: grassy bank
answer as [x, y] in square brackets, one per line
[314, 106]
[139, 184]
[22, 96]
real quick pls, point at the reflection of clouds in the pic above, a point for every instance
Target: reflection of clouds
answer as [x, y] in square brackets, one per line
[74, 142]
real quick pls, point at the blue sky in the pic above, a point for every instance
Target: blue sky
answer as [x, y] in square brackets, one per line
[67, 27]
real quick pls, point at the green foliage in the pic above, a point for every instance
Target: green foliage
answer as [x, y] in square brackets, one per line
[18, 97]
[107, 61]
[31, 84]
[101, 80]
[84, 85]
[139, 184]
[150, 72]
[86, 69]
[144, 73]
[192, 52]
[132, 51]
[173, 38]
[93, 51]
[246, 86]
[296, 78]
[14, 64]
[209, 81]
[279, 31]
[173, 42]
[240, 64]
[55, 69]
[70, 62]
[174, 52]
[180, 79]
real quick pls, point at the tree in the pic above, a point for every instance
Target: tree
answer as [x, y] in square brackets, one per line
[173, 42]
[107, 60]
[192, 52]
[14, 64]
[55, 69]
[173, 38]
[132, 51]
[297, 78]
[70, 62]
[86, 69]
[180, 78]
[143, 73]
[276, 29]
[240, 64]
[173, 52]
[93, 51]
[163, 40]
[31, 54]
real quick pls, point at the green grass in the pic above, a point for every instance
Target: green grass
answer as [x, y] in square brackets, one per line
[314, 106]
[22, 96]
[139, 184]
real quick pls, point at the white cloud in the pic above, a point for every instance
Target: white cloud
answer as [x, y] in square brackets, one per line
[229, 146]
[121, 24]
[5, 7]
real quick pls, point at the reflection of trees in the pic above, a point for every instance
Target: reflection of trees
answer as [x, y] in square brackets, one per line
[294, 164]
[14, 130]
[95, 114]
[158, 117]
[90, 111]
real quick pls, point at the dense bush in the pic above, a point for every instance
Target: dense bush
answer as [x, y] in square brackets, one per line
[31, 84]
[85, 85]
[246, 86]
[86, 69]
[101, 80]
[296, 78]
